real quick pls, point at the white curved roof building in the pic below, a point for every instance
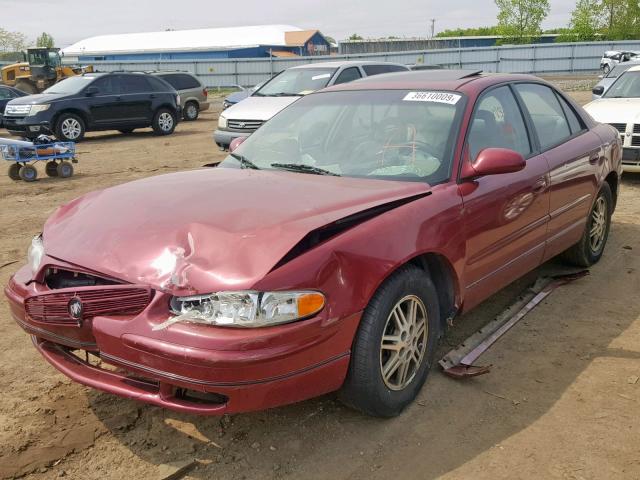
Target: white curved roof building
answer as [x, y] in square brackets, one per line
[228, 42]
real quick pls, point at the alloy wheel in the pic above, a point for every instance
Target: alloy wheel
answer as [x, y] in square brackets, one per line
[71, 128]
[404, 342]
[598, 227]
[165, 121]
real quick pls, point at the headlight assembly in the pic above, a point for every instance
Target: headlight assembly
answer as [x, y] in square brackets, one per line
[35, 253]
[245, 309]
[222, 121]
[35, 109]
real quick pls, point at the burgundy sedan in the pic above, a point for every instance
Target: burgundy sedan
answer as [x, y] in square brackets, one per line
[328, 252]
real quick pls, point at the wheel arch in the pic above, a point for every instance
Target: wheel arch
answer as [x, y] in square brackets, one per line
[613, 181]
[75, 111]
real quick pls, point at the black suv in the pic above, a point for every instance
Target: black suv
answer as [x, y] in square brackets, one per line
[96, 101]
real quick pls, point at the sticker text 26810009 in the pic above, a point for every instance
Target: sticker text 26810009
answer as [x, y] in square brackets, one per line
[437, 97]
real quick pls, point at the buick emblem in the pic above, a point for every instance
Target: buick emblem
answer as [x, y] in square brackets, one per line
[75, 308]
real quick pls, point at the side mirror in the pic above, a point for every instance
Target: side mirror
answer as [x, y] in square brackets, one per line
[598, 90]
[494, 161]
[235, 143]
[91, 91]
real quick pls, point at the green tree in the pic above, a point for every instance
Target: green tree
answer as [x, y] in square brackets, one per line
[469, 32]
[355, 37]
[586, 22]
[45, 41]
[519, 21]
[12, 41]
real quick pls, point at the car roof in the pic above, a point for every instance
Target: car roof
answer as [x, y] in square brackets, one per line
[444, 79]
[345, 63]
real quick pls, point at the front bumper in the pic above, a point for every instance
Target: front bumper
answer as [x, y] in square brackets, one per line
[631, 160]
[238, 370]
[223, 138]
[29, 127]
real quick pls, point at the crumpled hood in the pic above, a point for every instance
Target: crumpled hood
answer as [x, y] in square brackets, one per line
[615, 110]
[258, 108]
[206, 230]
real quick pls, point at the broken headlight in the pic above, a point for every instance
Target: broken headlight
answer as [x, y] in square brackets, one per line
[245, 309]
[35, 253]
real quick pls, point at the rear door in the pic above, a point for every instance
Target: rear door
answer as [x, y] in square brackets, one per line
[574, 155]
[136, 97]
[506, 215]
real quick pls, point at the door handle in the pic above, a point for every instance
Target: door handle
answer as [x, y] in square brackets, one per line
[540, 185]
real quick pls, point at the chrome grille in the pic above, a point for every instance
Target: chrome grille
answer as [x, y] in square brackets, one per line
[635, 141]
[17, 110]
[244, 125]
[636, 128]
[109, 301]
[621, 127]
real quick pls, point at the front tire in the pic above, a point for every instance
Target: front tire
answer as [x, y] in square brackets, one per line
[590, 248]
[28, 173]
[164, 122]
[395, 345]
[70, 128]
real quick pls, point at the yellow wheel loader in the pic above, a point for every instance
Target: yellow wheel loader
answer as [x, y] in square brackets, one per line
[41, 69]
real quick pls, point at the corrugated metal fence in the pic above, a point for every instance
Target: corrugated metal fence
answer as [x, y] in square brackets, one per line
[539, 59]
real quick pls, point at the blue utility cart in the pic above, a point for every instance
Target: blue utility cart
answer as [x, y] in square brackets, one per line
[59, 158]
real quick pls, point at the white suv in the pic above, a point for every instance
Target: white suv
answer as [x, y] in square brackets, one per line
[611, 58]
[244, 118]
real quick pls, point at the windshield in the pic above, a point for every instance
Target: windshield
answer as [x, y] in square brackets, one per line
[619, 70]
[382, 134]
[296, 81]
[70, 85]
[626, 86]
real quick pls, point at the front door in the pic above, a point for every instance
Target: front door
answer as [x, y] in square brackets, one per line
[505, 216]
[105, 106]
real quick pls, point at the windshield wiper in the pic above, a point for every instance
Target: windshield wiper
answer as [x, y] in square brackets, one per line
[244, 161]
[282, 94]
[300, 167]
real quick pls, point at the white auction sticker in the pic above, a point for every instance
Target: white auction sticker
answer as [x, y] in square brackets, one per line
[437, 97]
[318, 77]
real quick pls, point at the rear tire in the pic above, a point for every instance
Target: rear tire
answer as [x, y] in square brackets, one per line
[394, 349]
[590, 248]
[51, 169]
[14, 171]
[191, 111]
[70, 128]
[28, 173]
[164, 122]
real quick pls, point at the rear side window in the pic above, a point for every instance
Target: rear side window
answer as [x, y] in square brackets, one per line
[134, 84]
[574, 122]
[497, 123]
[181, 81]
[348, 75]
[546, 113]
[378, 69]
[107, 85]
[6, 93]
[159, 85]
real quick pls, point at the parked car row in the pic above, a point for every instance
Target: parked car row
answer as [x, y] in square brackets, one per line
[611, 58]
[121, 101]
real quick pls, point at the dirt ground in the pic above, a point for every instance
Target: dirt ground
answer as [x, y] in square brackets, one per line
[562, 401]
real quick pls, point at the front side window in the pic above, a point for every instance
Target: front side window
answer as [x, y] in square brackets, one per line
[497, 123]
[107, 85]
[379, 134]
[348, 75]
[546, 114]
[296, 81]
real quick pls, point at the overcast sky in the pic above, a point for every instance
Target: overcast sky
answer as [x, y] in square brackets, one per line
[72, 20]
